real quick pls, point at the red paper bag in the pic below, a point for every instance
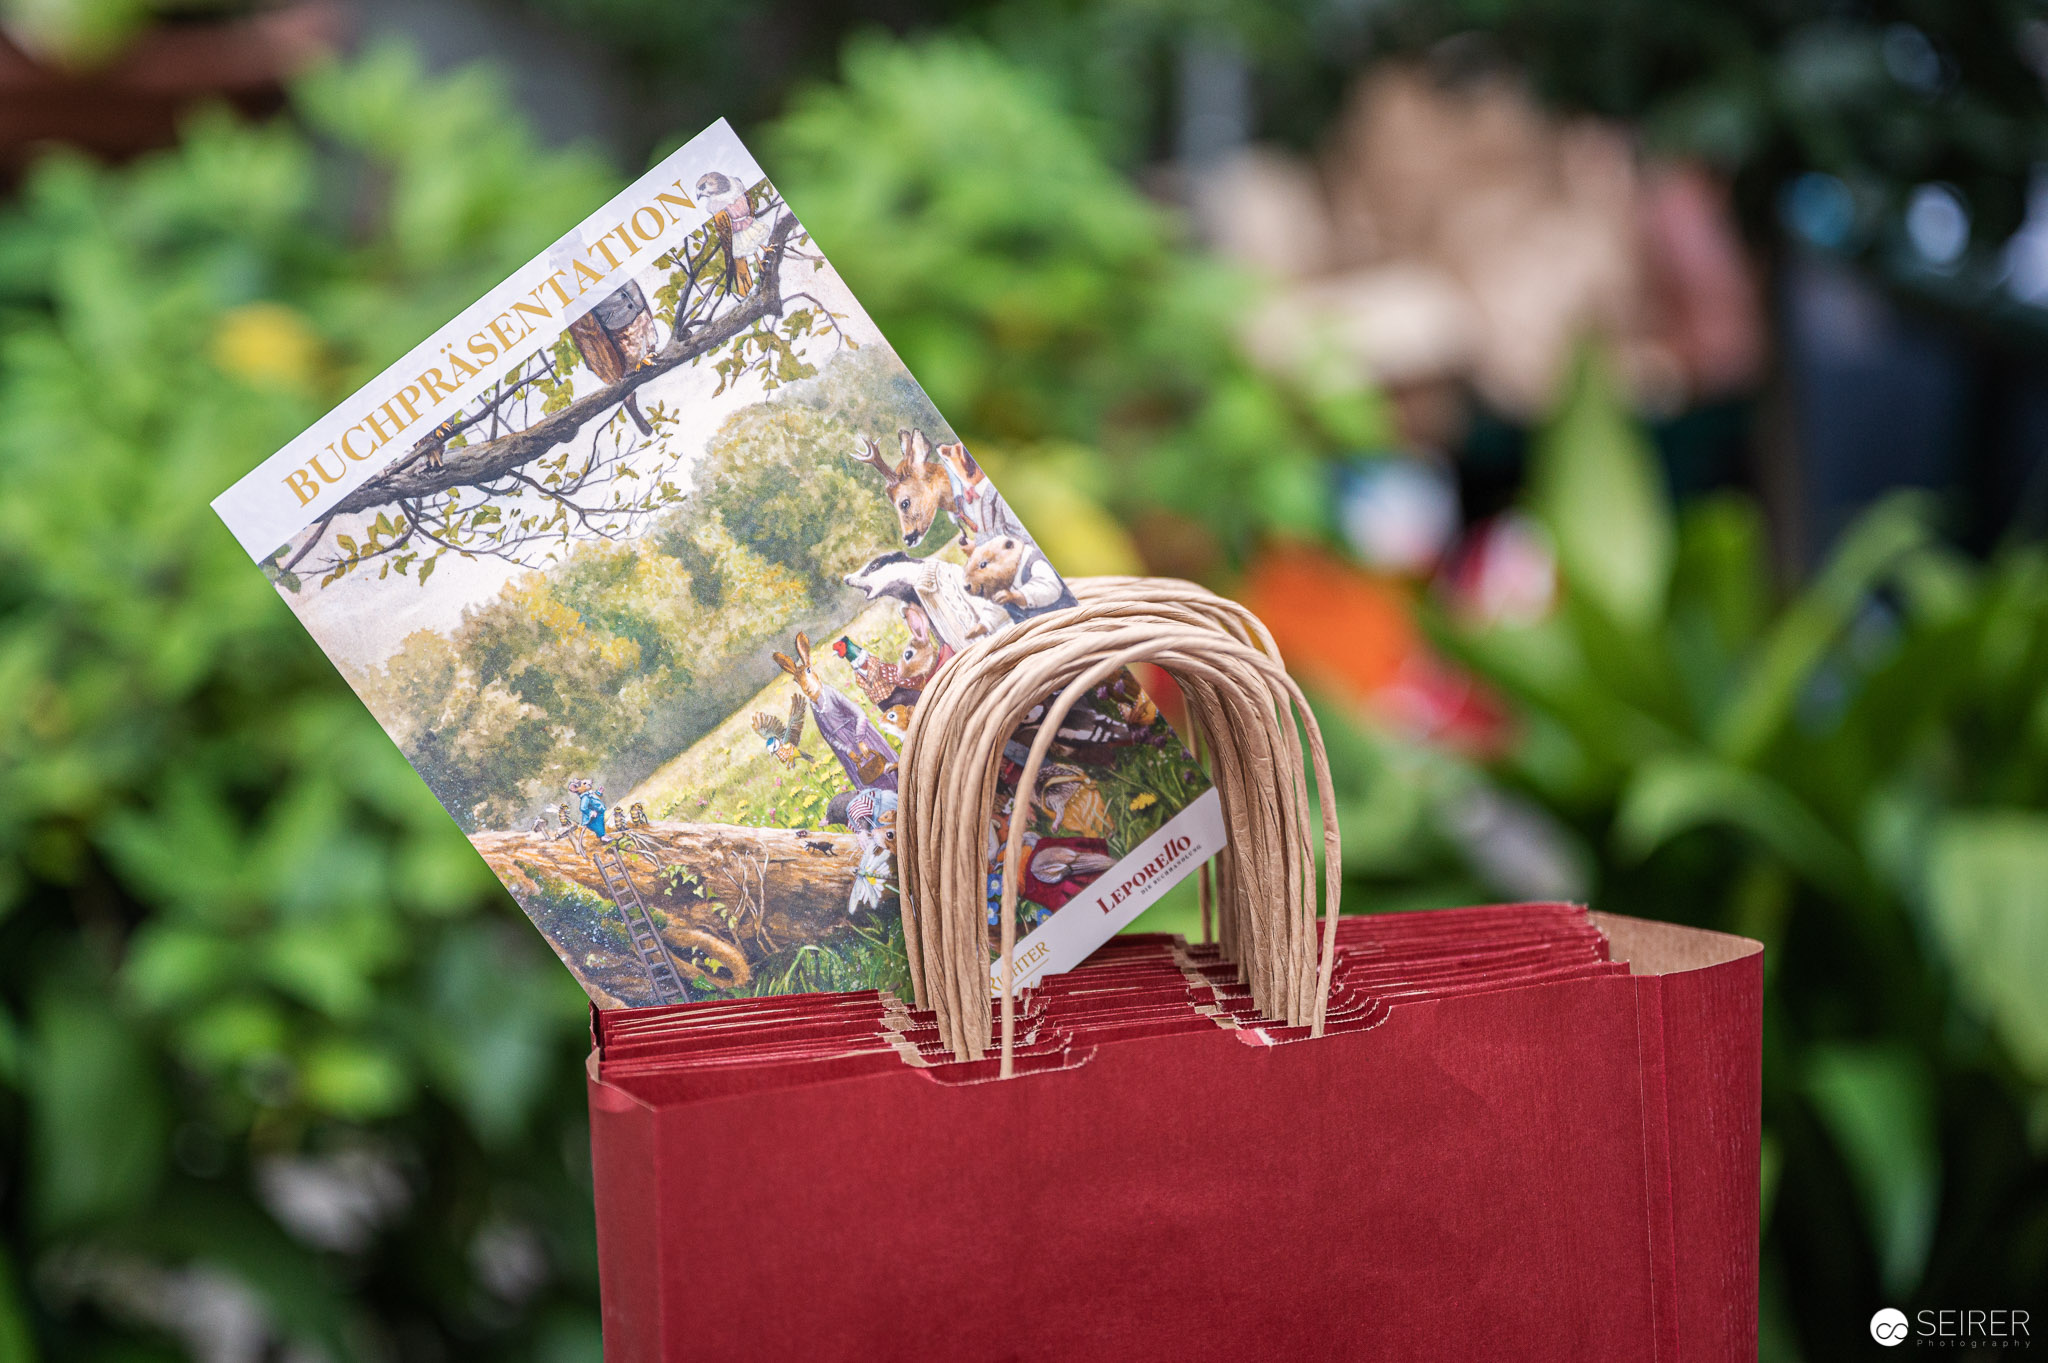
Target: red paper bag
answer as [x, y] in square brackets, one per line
[1562, 1170]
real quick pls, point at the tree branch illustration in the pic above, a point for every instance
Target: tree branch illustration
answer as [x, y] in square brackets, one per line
[538, 460]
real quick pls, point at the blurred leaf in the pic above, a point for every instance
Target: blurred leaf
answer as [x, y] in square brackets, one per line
[568, 1339]
[169, 965]
[1580, 737]
[1668, 796]
[1724, 563]
[1987, 896]
[1355, 418]
[1595, 483]
[233, 1031]
[17, 1343]
[354, 1079]
[497, 1008]
[76, 34]
[10, 1050]
[1878, 1105]
[1721, 599]
[315, 964]
[96, 1108]
[1759, 707]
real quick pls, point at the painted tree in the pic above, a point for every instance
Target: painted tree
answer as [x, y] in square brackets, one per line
[534, 464]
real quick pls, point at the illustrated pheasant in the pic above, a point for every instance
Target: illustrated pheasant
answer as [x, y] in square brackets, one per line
[880, 682]
[782, 736]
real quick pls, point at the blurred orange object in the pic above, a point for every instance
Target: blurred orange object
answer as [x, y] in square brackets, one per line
[1352, 637]
[1339, 628]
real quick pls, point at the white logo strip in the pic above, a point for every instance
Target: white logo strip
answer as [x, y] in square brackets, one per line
[1119, 895]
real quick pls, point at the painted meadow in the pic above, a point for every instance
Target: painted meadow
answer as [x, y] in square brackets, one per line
[652, 611]
[637, 663]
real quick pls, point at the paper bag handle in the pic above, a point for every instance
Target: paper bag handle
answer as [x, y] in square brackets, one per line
[1240, 700]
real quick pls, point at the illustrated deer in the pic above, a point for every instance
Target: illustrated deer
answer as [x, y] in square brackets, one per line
[916, 487]
[927, 479]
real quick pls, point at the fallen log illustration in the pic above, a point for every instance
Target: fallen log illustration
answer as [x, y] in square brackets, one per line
[720, 896]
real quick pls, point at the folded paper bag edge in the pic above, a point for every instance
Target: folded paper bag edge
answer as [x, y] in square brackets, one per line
[1655, 948]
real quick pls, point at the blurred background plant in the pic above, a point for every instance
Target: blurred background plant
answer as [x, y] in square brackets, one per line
[1553, 411]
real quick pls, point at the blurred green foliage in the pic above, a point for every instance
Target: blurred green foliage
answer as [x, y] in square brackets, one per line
[1855, 776]
[1045, 303]
[242, 947]
[270, 1030]
[271, 1037]
[83, 34]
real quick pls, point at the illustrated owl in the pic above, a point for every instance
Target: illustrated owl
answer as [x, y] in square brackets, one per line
[782, 736]
[740, 234]
[616, 337]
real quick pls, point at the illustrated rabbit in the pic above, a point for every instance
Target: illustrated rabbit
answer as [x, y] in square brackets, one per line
[924, 655]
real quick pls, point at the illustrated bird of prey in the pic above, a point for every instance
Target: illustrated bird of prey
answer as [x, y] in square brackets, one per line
[616, 337]
[740, 234]
[782, 736]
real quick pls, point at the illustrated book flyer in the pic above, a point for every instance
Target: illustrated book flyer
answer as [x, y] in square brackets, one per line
[644, 561]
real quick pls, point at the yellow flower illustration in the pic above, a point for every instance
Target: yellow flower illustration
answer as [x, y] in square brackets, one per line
[1143, 800]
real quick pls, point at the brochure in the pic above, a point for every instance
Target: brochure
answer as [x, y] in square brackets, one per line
[644, 561]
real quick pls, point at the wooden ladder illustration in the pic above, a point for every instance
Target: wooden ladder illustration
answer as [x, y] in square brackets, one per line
[668, 986]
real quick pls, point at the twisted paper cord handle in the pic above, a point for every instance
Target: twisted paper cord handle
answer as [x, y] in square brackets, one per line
[1242, 707]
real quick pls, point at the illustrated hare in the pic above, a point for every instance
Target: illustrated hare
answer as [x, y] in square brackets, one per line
[863, 753]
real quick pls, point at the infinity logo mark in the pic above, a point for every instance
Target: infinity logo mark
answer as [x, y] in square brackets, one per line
[1888, 1327]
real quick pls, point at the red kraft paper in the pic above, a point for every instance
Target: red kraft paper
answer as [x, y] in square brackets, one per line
[1560, 1171]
